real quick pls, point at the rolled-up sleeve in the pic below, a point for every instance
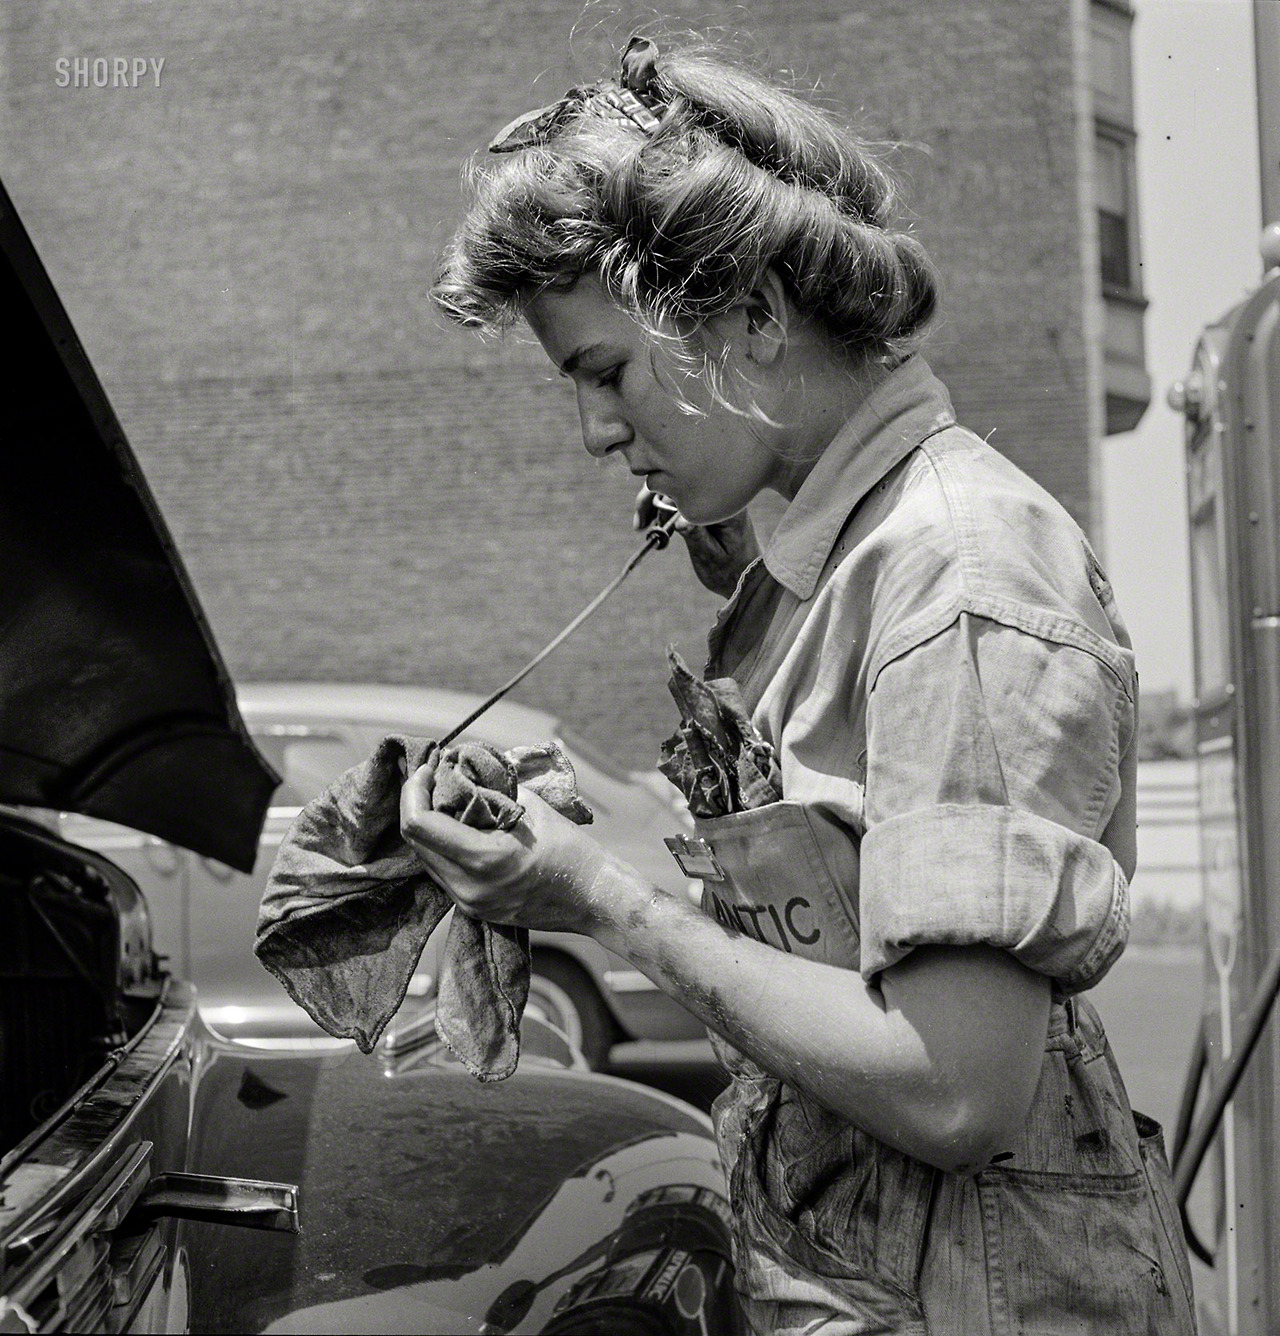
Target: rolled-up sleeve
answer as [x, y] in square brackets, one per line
[993, 769]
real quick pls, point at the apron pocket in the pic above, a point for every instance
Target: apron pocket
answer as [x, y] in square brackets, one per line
[1160, 1183]
[1072, 1252]
[790, 879]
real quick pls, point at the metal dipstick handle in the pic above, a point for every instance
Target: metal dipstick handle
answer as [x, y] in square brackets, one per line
[657, 535]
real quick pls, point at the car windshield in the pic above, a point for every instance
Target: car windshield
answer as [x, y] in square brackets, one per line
[307, 761]
[578, 746]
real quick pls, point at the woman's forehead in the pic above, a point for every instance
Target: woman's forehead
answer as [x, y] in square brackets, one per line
[571, 323]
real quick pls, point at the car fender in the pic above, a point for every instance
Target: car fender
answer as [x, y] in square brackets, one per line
[426, 1196]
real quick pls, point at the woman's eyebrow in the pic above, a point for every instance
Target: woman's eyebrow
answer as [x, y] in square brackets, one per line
[570, 363]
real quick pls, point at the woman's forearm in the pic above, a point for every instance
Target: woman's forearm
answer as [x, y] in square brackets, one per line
[941, 1061]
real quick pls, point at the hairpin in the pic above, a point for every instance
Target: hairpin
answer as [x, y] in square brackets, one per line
[633, 97]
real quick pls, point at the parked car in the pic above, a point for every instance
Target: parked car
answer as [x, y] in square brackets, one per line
[310, 732]
[153, 1173]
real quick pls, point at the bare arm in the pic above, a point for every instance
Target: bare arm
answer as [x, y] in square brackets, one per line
[941, 1061]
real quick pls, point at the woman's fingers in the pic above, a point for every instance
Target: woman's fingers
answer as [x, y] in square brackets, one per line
[539, 873]
[447, 836]
[438, 837]
[431, 827]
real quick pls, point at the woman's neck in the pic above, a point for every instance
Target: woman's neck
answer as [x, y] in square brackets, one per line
[826, 390]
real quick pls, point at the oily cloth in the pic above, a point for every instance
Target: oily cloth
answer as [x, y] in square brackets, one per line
[348, 905]
[717, 757]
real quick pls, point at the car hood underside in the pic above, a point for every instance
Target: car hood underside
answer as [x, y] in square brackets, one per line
[114, 700]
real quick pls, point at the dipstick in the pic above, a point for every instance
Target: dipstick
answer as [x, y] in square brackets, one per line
[658, 535]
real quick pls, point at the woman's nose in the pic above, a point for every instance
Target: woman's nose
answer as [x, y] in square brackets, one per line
[604, 426]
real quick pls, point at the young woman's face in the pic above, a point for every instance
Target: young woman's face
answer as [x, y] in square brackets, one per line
[711, 463]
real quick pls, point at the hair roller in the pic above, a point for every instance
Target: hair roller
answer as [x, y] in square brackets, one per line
[681, 224]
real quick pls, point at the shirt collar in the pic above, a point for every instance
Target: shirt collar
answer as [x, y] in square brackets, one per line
[910, 404]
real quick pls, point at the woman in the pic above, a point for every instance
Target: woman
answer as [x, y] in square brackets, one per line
[926, 1130]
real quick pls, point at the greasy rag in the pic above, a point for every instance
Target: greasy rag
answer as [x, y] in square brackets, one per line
[349, 906]
[717, 757]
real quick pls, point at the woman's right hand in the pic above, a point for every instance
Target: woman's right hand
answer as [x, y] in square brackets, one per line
[546, 872]
[719, 552]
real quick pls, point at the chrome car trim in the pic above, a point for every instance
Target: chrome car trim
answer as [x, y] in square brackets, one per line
[85, 1288]
[131, 1193]
[105, 1211]
[91, 1129]
[136, 1261]
[251, 1203]
[403, 1036]
[110, 1065]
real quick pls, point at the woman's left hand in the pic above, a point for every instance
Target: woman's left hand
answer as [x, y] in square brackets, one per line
[543, 873]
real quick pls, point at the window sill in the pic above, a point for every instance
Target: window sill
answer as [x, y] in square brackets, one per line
[1125, 297]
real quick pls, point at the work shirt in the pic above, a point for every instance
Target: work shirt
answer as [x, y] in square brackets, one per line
[931, 646]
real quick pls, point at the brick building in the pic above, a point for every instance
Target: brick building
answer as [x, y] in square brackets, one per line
[246, 242]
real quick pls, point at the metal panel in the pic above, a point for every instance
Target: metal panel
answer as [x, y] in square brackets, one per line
[1251, 383]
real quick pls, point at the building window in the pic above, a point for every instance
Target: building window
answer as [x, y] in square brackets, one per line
[1116, 221]
[1111, 70]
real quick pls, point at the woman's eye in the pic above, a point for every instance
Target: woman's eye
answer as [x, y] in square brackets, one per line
[610, 377]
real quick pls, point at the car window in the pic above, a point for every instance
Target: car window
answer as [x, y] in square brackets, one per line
[307, 759]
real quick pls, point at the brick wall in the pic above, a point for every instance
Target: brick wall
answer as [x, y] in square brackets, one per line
[362, 494]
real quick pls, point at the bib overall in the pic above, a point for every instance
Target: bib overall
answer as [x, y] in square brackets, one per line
[1074, 1229]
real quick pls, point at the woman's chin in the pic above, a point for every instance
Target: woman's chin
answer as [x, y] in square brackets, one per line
[701, 509]
[704, 515]
[692, 508]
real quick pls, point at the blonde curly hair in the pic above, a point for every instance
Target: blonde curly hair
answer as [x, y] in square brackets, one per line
[681, 222]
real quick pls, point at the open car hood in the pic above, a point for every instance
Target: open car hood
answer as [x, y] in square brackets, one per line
[114, 700]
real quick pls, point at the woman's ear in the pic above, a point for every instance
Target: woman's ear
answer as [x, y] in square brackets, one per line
[768, 313]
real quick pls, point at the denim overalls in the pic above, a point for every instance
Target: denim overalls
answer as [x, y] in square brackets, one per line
[1074, 1230]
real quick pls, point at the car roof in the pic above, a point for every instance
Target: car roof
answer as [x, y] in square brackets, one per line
[423, 709]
